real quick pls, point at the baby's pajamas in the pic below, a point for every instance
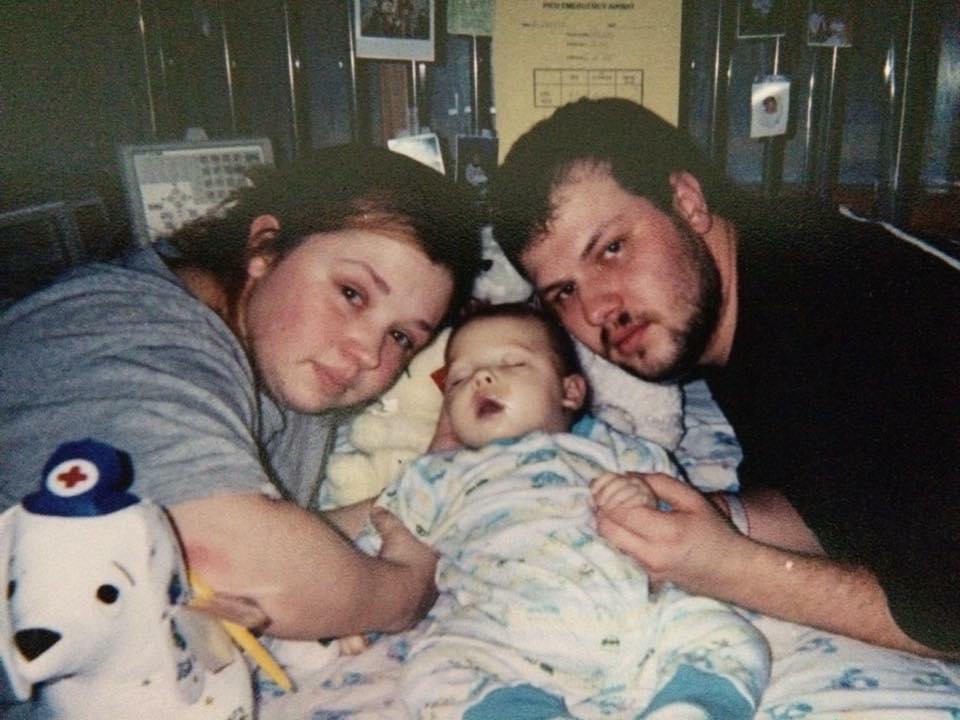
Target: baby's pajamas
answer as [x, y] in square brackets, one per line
[537, 611]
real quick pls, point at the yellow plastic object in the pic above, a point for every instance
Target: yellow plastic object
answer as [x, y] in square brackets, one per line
[244, 638]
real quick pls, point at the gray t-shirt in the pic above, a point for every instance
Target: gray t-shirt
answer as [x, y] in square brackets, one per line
[122, 353]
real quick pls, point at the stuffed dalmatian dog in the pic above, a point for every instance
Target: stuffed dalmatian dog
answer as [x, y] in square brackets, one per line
[94, 623]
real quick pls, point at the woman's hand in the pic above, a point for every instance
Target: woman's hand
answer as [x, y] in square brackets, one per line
[353, 644]
[307, 578]
[418, 562]
[686, 545]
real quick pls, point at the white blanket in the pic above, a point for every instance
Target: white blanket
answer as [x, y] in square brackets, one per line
[816, 676]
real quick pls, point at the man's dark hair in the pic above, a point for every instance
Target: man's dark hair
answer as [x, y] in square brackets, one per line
[339, 188]
[640, 149]
[561, 344]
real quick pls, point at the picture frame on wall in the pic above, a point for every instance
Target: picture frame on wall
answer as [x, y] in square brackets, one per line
[769, 106]
[761, 18]
[394, 29]
[829, 24]
[476, 162]
[424, 148]
[470, 17]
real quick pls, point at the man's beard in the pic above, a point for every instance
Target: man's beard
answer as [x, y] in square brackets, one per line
[702, 323]
[688, 342]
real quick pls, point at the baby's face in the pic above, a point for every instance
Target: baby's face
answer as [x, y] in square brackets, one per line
[502, 382]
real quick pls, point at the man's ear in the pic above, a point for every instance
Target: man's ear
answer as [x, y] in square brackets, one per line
[259, 257]
[689, 202]
[574, 391]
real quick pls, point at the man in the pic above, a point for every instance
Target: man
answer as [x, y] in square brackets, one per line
[829, 344]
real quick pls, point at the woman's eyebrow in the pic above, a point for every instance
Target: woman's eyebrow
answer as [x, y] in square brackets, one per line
[374, 275]
[424, 325]
[384, 287]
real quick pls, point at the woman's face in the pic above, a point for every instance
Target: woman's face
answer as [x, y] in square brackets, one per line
[332, 323]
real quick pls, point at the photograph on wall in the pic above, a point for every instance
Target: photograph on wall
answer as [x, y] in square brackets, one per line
[470, 17]
[769, 106]
[424, 148]
[760, 18]
[476, 162]
[394, 29]
[828, 24]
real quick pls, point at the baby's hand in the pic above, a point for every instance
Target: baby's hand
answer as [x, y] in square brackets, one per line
[629, 490]
[353, 644]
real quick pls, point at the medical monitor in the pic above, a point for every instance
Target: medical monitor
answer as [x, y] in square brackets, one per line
[169, 184]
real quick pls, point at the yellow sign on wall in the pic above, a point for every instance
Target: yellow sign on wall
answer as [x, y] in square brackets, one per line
[550, 52]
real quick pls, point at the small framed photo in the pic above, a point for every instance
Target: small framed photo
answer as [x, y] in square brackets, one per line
[470, 17]
[769, 106]
[761, 18]
[476, 161]
[828, 24]
[394, 29]
[424, 148]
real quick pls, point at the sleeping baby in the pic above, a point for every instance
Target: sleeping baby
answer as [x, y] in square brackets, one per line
[536, 611]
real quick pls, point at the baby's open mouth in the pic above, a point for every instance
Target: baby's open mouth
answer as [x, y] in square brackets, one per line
[487, 407]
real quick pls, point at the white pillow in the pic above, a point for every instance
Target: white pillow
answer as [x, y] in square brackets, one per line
[633, 406]
[684, 419]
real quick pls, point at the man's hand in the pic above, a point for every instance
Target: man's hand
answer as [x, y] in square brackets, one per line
[418, 561]
[687, 545]
[613, 490]
[779, 570]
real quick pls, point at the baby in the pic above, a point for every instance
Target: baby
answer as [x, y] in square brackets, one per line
[536, 611]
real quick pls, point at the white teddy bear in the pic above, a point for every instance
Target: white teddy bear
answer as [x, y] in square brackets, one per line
[498, 281]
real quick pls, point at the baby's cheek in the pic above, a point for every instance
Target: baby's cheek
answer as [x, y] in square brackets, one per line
[453, 409]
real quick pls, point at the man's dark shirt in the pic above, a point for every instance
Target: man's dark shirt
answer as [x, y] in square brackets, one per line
[843, 387]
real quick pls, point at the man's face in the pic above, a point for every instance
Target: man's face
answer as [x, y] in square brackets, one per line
[633, 283]
[333, 323]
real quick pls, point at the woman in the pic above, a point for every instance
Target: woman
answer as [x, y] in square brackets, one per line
[220, 369]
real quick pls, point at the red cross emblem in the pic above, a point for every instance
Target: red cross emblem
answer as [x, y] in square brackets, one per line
[73, 476]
